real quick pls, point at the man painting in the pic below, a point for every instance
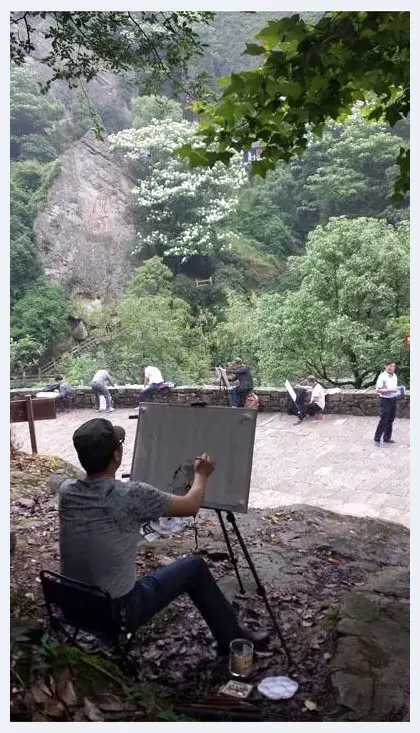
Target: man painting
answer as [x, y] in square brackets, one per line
[99, 386]
[244, 384]
[387, 389]
[316, 405]
[100, 518]
[152, 380]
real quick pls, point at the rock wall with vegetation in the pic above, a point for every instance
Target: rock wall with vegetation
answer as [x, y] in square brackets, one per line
[305, 271]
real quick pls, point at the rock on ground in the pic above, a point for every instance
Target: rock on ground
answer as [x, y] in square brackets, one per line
[370, 668]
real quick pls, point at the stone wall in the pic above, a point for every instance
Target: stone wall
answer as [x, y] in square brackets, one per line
[354, 402]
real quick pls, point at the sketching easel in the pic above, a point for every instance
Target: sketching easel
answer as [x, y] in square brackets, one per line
[231, 519]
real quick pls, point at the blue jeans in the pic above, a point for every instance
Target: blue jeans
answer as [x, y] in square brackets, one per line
[188, 575]
[101, 389]
[235, 395]
[147, 390]
[388, 411]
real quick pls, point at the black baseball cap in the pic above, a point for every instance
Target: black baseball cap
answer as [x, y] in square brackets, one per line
[97, 439]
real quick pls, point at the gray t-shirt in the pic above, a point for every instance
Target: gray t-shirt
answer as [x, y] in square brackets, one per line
[99, 529]
[102, 377]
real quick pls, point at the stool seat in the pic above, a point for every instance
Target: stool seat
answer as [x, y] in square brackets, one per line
[82, 607]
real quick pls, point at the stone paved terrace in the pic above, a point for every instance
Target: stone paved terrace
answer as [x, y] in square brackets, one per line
[332, 463]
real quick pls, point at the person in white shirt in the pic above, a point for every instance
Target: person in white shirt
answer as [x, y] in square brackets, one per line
[152, 380]
[387, 389]
[99, 386]
[316, 404]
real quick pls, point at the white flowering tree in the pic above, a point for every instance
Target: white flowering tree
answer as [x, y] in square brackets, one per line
[181, 209]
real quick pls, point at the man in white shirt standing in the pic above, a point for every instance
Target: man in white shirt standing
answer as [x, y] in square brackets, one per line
[387, 389]
[152, 381]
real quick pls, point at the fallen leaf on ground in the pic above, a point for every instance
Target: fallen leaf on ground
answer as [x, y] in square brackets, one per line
[54, 709]
[309, 705]
[66, 692]
[38, 718]
[91, 711]
[79, 716]
[110, 703]
[40, 692]
[335, 560]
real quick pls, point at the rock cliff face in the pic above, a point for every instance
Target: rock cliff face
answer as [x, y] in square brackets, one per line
[84, 233]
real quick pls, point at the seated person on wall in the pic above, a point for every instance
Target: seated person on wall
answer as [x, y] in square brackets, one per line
[100, 518]
[316, 405]
[152, 380]
[243, 386]
[64, 392]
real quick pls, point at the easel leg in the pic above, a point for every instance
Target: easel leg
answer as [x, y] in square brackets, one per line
[260, 588]
[229, 546]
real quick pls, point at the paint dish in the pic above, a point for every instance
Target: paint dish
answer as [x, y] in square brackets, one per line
[278, 688]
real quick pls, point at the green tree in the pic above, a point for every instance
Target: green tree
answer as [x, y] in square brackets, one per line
[41, 315]
[151, 107]
[341, 323]
[25, 266]
[237, 335]
[349, 172]
[80, 369]
[32, 116]
[151, 278]
[159, 45]
[30, 181]
[156, 327]
[267, 212]
[359, 171]
[24, 354]
[308, 75]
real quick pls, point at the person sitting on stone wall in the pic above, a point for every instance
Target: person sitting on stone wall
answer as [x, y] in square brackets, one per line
[152, 380]
[100, 518]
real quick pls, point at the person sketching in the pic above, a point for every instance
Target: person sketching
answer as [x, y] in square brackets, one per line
[243, 385]
[316, 404]
[100, 518]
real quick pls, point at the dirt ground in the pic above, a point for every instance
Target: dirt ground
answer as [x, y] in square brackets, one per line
[307, 558]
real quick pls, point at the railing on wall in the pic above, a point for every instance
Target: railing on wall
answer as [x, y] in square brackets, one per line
[47, 372]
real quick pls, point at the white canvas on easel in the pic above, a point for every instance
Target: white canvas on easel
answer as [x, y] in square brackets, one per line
[290, 390]
[170, 437]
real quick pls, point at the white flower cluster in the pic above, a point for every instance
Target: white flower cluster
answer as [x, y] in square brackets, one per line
[180, 204]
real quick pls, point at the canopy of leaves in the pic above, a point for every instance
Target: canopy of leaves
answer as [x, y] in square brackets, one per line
[350, 171]
[155, 327]
[343, 321]
[41, 315]
[151, 107]
[24, 354]
[32, 116]
[158, 44]
[29, 183]
[310, 74]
